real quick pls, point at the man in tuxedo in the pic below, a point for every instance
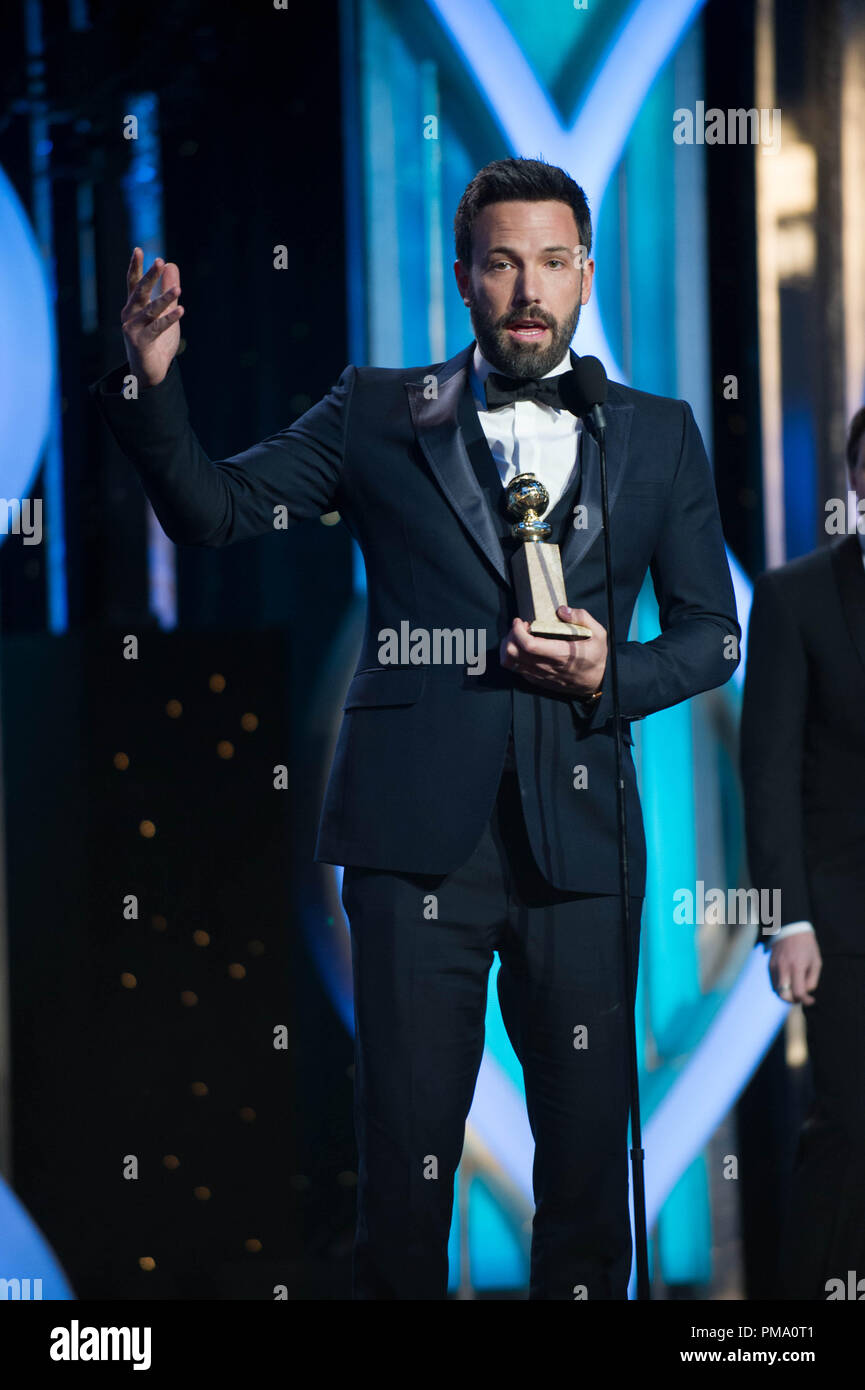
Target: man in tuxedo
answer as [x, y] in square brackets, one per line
[803, 767]
[474, 807]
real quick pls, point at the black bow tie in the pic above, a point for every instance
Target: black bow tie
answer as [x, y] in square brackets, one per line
[504, 390]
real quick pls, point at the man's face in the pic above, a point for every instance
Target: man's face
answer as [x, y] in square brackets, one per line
[526, 284]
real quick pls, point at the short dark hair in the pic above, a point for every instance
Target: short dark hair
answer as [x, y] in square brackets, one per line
[523, 181]
[854, 438]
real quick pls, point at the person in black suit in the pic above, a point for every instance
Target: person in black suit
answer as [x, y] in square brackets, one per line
[472, 796]
[803, 769]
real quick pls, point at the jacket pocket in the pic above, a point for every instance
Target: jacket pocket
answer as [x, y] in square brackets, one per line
[385, 685]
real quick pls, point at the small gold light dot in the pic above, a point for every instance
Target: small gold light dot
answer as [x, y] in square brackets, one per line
[347, 1179]
[121, 762]
[174, 709]
[300, 1182]
[201, 1193]
[147, 829]
[255, 948]
[171, 1161]
[217, 683]
[199, 1088]
[147, 1262]
[249, 722]
[237, 972]
[158, 922]
[247, 1114]
[127, 980]
[224, 748]
[201, 938]
[252, 1246]
[329, 518]
[188, 998]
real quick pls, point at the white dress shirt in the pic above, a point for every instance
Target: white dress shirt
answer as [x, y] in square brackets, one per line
[528, 437]
[795, 927]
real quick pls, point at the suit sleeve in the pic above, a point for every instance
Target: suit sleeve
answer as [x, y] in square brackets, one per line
[696, 603]
[771, 750]
[201, 502]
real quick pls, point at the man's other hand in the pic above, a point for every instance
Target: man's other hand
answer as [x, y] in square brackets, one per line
[795, 962]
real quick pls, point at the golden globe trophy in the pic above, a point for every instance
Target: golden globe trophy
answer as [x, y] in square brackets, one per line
[536, 566]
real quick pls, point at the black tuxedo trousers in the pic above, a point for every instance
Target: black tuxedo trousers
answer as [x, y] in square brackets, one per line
[422, 947]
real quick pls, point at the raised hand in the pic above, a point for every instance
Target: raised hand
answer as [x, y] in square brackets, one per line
[151, 327]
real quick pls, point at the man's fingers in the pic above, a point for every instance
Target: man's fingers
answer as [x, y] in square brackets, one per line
[795, 970]
[781, 975]
[156, 316]
[133, 273]
[540, 647]
[811, 978]
[139, 283]
[524, 640]
[155, 307]
[579, 615]
[812, 974]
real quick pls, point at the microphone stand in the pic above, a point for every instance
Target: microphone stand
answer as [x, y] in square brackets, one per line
[595, 417]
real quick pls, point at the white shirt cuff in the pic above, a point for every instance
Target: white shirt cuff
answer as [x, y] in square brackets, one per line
[792, 929]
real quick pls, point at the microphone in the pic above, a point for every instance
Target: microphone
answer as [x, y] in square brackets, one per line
[583, 391]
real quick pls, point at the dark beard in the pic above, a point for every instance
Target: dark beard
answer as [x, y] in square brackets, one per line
[523, 359]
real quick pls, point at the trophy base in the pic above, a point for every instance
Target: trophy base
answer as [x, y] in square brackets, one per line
[568, 631]
[537, 572]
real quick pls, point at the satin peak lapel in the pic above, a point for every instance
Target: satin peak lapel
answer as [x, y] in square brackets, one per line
[580, 540]
[439, 435]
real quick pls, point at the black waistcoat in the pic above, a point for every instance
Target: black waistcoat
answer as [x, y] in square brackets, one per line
[560, 518]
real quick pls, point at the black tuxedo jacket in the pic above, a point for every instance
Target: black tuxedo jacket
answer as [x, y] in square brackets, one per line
[421, 748]
[803, 742]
